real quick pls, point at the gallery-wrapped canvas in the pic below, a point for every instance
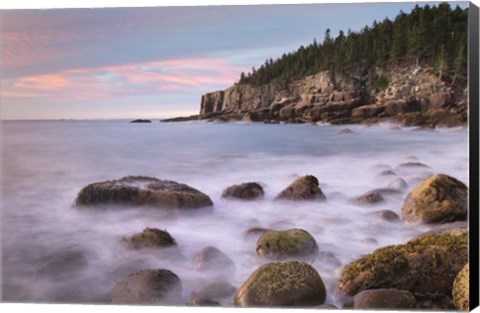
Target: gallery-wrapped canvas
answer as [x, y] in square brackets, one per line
[302, 156]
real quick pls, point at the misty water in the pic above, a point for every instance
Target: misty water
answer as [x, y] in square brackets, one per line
[46, 163]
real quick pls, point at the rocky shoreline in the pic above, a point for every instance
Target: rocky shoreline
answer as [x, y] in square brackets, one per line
[408, 96]
[427, 272]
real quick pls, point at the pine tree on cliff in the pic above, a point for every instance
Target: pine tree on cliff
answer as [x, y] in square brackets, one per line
[431, 36]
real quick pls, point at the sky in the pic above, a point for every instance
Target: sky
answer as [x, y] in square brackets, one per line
[152, 62]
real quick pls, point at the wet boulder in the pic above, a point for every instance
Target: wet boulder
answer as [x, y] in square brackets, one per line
[245, 191]
[346, 131]
[303, 188]
[62, 263]
[143, 191]
[387, 215]
[455, 229]
[387, 173]
[384, 299]
[149, 238]
[285, 284]
[398, 183]
[438, 199]
[285, 244]
[425, 266]
[159, 286]
[215, 290]
[202, 302]
[255, 231]
[371, 197]
[411, 165]
[461, 287]
[212, 259]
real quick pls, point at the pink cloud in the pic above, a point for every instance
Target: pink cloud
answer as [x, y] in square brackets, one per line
[200, 74]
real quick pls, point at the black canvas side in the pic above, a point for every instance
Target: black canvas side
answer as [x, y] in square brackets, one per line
[473, 32]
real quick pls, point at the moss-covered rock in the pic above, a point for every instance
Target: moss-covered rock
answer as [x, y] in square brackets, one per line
[425, 266]
[149, 238]
[438, 199]
[245, 191]
[287, 243]
[142, 191]
[158, 286]
[461, 287]
[454, 229]
[303, 188]
[277, 284]
[212, 259]
[384, 299]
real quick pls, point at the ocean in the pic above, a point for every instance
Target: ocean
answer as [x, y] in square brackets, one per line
[46, 163]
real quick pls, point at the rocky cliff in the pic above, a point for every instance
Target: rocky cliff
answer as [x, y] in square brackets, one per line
[412, 96]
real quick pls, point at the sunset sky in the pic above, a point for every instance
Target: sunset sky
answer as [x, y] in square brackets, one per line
[152, 62]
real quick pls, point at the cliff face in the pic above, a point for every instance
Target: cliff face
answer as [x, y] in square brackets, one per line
[413, 96]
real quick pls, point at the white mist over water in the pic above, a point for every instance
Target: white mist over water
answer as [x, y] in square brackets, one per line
[46, 163]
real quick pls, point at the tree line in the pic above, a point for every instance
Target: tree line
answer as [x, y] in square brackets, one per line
[433, 36]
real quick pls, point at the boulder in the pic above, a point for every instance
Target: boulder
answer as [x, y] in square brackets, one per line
[387, 173]
[408, 165]
[326, 306]
[143, 191]
[461, 287]
[329, 258]
[212, 259]
[255, 231]
[159, 286]
[385, 191]
[215, 291]
[455, 229]
[438, 199]
[346, 131]
[425, 266]
[149, 238]
[303, 188]
[284, 284]
[398, 183]
[202, 302]
[287, 243]
[140, 121]
[371, 197]
[387, 215]
[384, 299]
[245, 191]
[60, 264]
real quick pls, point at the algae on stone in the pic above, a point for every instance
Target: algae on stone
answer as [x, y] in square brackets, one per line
[425, 266]
[287, 243]
[276, 284]
[149, 238]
